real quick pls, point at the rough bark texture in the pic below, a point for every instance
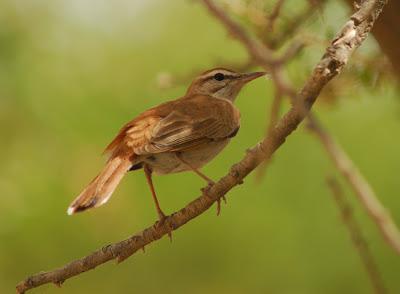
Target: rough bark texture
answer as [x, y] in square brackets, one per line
[387, 32]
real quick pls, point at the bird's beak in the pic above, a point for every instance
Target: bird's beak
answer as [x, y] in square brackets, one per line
[247, 77]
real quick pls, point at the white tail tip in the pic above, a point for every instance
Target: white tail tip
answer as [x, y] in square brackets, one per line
[70, 210]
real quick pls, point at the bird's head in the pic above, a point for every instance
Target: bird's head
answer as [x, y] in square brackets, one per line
[221, 83]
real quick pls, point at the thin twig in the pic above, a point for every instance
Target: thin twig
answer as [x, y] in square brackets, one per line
[294, 23]
[358, 184]
[275, 14]
[275, 109]
[272, 120]
[362, 189]
[282, 88]
[329, 66]
[357, 237]
[352, 175]
[293, 50]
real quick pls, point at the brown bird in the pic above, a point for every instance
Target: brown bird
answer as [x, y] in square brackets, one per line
[179, 135]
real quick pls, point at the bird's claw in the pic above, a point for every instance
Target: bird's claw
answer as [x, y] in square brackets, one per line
[161, 220]
[219, 204]
[204, 190]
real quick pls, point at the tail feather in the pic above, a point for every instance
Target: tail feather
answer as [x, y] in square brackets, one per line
[102, 186]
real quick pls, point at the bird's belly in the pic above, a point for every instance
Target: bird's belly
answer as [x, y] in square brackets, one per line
[166, 163]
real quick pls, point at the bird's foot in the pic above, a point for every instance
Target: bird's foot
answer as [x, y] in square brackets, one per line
[161, 220]
[205, 191]
[208, 187]
[209, 181]
[219, 204]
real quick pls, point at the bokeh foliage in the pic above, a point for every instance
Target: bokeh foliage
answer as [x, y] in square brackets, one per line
[72, 72]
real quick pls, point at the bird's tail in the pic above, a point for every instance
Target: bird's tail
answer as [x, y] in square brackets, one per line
[101, 187]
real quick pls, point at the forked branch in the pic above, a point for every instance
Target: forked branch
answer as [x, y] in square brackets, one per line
[332, 62]
[341, 160]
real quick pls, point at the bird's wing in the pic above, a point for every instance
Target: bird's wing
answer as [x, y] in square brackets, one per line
[193, 121]
[178, 125]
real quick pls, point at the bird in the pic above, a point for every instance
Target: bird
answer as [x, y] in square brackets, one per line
[176, 136]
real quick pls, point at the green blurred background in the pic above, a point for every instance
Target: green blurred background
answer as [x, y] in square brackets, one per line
[72, 72]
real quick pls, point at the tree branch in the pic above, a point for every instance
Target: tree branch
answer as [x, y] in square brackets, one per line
[330, 65]
[274, 14]
[387, 33]
[358, 184]
[343, 163]
[294, 23]
[357, 237]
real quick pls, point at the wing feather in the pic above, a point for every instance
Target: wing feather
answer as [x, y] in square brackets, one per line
[177, 125]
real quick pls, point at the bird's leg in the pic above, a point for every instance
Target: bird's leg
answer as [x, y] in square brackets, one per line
[199, 173]
[161, 215]
[148, 172]
[203, 176]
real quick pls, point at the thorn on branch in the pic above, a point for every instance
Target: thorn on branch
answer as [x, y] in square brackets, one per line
[120, 258]
[59, 283]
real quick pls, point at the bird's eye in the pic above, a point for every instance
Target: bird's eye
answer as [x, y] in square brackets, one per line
[219, 76]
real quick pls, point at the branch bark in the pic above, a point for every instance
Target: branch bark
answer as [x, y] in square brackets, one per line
[387, 33]
[332, 62]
